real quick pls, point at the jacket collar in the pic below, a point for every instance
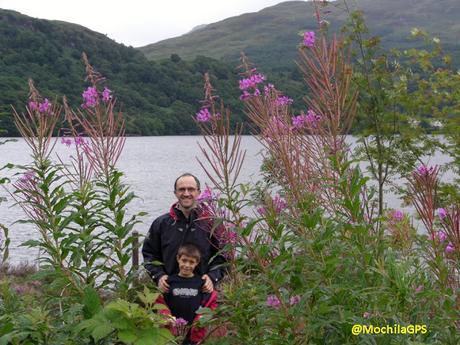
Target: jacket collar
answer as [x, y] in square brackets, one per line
[200, 211]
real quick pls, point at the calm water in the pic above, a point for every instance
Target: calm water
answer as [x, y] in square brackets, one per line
[150, 165]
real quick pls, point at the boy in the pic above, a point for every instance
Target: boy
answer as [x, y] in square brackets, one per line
[185, 294]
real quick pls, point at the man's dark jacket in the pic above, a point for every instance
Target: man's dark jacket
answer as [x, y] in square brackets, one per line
[169, 231]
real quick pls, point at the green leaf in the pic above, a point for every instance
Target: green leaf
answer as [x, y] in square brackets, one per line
[148, 337]
[31, 243]
[6, 339]
[60, 205]
[91, 302]
[101, 331]
[127, 336]
[247, 230]
[6, 328]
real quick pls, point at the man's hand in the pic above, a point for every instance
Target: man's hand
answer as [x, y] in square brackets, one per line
[163, 284]
[208, 286]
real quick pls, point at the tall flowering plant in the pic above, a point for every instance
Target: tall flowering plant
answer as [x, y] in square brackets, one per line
[98, 133]
[306, 153]
[239, 235]
[79, 208]
[442, 226]
[38, 124]
[40, 191]
[312, 257]
[223, 160]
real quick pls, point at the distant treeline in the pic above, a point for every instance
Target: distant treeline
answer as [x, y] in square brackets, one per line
[158, 98]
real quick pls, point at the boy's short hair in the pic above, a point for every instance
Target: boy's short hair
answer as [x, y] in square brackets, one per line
[191, 250]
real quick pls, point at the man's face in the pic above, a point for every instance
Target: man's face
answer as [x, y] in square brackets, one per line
[187, 265]
[186, 191]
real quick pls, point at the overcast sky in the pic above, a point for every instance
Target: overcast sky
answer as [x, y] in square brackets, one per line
[137, 22]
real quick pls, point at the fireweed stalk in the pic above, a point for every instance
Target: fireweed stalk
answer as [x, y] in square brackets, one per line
[444, 262]
[85, 242]
[307, 153]
[38, 124]
[450, 224]
[225, 160]
[40, 190]
[79, 208]
[101, 147]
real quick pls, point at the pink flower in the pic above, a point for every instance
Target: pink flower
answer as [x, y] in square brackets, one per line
[279, 203]
[450, 248]
[423, 170]
[442, 213]
[27, 176]
[283, 100]
[205, 195]
[106, 94]
[419, 289]
[45, 106]
[299, 121]
[33, 105]
[273, 301]
[309, 38]
[180, 327]
[21, 289]
[251, 82]
[277, 123]
[180, 322]
[262, 210]
[228, 237]
[257, 93]
[203, 115]
[396, 215]
[366, 315]
[245, 84]
[90, 97]
[79, 141]
[294, 300]
[312, 117]
[305, 119]
[246, 95]
[268, 88]
[66, 141]
[441, 235]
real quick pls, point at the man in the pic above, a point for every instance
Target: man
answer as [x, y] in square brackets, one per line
[186, 222]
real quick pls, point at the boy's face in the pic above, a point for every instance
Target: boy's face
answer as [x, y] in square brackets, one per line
[187, 265]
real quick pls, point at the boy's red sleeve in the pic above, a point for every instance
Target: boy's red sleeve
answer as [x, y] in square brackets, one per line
[212, 302]
[161, 302]
[197, 334]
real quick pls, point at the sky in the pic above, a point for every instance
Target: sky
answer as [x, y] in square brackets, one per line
[137, 22]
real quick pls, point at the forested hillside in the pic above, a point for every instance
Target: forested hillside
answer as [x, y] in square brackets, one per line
[270, 37]
[158, 97]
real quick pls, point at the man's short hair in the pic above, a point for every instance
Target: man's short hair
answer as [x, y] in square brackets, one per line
[191, 250]
[184, 175]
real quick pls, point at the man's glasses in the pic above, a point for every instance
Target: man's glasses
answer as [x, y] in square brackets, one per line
[183, 190]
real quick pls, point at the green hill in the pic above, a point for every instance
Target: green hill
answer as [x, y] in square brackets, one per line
[269, 37]
[158, 98]
[159, 93]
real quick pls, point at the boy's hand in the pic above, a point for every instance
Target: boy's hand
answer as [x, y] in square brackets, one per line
[208, 286]
[171, 321]
[163, 284]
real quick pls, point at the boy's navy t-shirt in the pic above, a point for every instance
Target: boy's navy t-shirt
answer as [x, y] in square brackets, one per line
[184, 296]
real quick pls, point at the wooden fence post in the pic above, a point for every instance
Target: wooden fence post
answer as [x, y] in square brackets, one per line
[135, 250]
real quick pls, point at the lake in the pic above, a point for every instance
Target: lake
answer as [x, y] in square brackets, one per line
[150, 165]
